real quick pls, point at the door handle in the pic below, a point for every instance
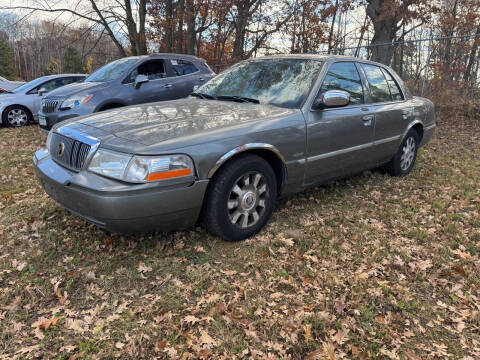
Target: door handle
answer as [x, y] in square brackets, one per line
[168, 86]
[367, 120]
[201, 79]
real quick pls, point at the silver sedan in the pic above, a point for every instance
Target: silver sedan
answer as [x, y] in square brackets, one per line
[20, 106]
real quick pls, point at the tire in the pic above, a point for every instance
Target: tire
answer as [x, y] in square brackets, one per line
[16, 116]
[236, 208]
[404, 160]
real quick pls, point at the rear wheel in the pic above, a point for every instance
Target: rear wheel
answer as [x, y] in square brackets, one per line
[241, 198]
[16, 116]
[404, 160]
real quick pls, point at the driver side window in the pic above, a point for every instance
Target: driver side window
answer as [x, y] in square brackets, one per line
[154, 69]
[344, 76]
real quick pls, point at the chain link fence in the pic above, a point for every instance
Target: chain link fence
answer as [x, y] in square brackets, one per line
[428, 65]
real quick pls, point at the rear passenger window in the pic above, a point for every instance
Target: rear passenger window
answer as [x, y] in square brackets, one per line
[379, 89]
[344, 76]
[394, 88]
[183, 67]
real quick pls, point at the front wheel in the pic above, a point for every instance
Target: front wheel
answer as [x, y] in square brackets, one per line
[403, 161]
[16, 116]
[241, 198]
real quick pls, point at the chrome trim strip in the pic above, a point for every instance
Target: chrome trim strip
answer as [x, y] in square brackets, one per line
[430, 127]
[339, 152]
[353, 148]
[412, 124]
[385, 140]
[241, 149]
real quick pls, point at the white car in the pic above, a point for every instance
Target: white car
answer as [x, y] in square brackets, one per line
[21, 106]
[8, 86]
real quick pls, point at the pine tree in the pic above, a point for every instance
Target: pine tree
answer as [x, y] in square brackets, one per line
[72, 61]
[6, 60]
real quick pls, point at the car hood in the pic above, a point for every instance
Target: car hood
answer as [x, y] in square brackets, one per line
[75, 88]
[10, 85]
[178, 122]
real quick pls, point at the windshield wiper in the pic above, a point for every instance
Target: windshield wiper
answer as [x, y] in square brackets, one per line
[238, 98]
[203, 96]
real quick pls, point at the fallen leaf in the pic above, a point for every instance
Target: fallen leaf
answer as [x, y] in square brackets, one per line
[308, 332]
[142, 268]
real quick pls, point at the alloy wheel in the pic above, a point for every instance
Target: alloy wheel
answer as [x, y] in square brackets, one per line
[408, 154]
[247, 199]
[17, 117]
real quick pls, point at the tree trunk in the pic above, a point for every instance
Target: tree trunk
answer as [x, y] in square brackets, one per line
[241, 23]
[142, 39]
[385, 29]
[332, 26]
[471, 59]
[190, 9]
[169, 25]
[180, 14]
[448, 41]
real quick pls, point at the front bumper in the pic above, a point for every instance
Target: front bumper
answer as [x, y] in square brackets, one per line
[59, 116]
[120, 207]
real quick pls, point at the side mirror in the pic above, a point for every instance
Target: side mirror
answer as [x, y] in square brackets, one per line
[331, 98]
[41, 92]
[140, 79]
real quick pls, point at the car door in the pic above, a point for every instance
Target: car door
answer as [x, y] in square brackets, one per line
[186, 76]
[156, 89]
[338, 139]
[392, 112]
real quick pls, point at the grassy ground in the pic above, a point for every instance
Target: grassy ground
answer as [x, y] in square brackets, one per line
[367, 267]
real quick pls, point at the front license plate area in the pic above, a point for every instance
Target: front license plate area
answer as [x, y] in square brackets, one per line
[42, 120]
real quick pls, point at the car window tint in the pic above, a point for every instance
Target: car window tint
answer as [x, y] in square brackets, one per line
[379, 89]
[394, 88]
[344, 76]
[183, 67]
[154, 69]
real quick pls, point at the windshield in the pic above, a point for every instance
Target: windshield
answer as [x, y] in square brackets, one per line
[280, 82]
[28, 85]
[111, 71]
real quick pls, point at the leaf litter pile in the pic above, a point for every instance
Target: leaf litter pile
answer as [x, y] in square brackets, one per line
[366, 267]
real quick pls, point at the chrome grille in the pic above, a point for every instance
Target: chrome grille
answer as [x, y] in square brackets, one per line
[49, 106]
[68, 152]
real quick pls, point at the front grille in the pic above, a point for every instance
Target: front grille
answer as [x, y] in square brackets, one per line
[68, 152]
[49, 106]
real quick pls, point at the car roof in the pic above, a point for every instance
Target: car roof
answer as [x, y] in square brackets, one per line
[168, 55]
[323, 57]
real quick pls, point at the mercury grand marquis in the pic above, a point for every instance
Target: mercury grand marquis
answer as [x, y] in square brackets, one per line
[262, 129]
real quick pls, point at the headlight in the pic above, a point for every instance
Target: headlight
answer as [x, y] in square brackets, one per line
[140, 169]
[75, 101]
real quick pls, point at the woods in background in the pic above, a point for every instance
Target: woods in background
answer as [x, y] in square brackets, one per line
[396, 33]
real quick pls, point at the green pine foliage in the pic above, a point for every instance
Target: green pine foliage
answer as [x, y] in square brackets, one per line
[7, 69]
[72, 61]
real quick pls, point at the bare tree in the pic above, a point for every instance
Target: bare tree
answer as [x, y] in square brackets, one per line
[119, 19]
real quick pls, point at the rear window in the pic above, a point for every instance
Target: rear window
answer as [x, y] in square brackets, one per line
[394, 88]
[379, 89]
[183, 67]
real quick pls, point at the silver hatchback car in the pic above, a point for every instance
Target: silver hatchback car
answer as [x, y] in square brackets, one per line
[263, 128]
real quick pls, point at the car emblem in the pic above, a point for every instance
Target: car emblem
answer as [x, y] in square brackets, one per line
[61, 149]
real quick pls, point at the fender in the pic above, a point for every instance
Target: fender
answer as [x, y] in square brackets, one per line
[109, 101]
[411, 125]
[243, 148]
